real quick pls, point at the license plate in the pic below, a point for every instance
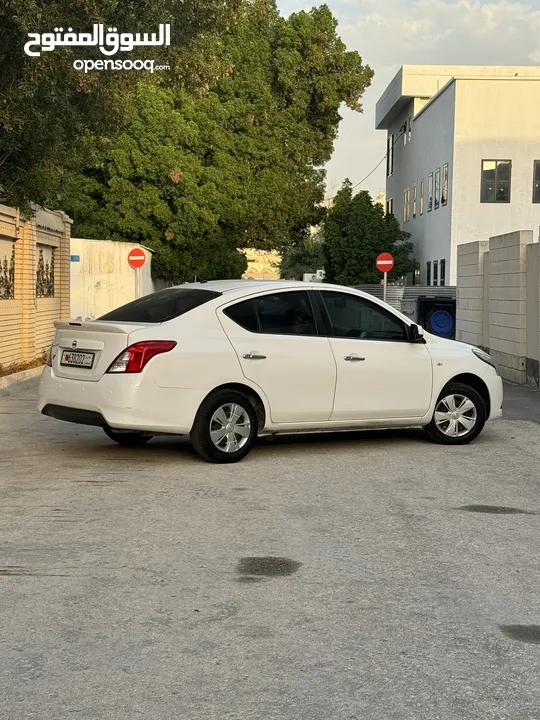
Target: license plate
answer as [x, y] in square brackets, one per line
[77, 359]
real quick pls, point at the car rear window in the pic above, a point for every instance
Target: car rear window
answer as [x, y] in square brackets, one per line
[161, 306]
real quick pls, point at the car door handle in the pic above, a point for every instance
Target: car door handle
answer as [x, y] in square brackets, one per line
[254, 356]
[353, 358]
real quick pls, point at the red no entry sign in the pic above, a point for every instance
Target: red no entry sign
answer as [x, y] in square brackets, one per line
[385, 262]
[136, 258]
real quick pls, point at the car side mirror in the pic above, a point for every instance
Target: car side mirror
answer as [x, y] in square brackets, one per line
[416, 334]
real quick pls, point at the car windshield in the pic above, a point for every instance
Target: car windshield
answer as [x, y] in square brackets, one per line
[161, 306]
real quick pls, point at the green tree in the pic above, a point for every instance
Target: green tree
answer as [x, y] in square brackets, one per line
[46, 105]
[304, 256]
[196, 173]
[356, 231]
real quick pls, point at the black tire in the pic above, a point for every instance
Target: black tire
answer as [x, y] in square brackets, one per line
[128, 439]
[434, 431]
[200, 433]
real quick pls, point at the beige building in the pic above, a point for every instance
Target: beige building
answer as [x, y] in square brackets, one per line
[262, 265]
[34, 281]
[463, 157]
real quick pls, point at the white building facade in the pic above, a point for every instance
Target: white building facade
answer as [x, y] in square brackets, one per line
[463, 157]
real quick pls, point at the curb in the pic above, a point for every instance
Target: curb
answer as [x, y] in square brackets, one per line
[9, 380]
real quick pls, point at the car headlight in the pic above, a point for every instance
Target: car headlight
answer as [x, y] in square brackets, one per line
[481, 355]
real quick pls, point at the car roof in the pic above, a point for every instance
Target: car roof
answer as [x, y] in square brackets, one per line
[249, 287]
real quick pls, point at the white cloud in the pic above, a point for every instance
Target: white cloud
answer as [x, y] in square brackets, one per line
[433, 32]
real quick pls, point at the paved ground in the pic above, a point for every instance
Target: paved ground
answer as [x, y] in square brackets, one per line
[135, 584]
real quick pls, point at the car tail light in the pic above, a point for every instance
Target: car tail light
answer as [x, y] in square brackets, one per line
[134, 358]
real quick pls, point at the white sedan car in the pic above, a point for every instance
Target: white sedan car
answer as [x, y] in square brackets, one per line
[228, 361]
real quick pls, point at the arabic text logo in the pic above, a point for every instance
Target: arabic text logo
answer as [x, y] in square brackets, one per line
[109, 43]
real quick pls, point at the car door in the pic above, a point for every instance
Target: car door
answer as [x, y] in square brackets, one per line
[276, 340]
[380, 374]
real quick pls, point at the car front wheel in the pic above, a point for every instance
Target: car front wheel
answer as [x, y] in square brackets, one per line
[459, 417]
[225, 428]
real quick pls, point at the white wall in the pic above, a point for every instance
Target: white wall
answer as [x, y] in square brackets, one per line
[430, 148]
[495, 120]
[102, 280]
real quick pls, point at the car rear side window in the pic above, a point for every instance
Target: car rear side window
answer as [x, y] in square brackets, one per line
[161, 306]
[245, 314]
[286, 313]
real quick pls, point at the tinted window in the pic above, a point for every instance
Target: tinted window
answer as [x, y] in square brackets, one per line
[161, 306]
[287, 313]
[355, 317]
[245, 314]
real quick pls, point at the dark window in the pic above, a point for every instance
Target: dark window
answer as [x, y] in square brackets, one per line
[390, 207]
[409, 129]
[442, 273]
[421, 197]
[161, 306]
[355, 317]
[287, 313]
[496, 178]
[430, 192]
[437, 187]
[414, 202]
[428, 273]
[444, 190]
[435, 272]
[390, 155]
[536, 182]
[245, 314]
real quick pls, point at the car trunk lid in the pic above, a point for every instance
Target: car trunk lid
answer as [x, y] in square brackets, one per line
[85, 350]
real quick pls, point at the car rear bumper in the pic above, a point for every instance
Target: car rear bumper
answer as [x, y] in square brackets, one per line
[124, 402]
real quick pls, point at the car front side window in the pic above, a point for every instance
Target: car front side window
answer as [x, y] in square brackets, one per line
[354, 317]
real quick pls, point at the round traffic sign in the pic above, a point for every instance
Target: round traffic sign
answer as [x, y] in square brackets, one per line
[136, 258]
[385, 262]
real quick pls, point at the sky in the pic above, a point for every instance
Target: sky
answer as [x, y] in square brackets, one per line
[392, 33]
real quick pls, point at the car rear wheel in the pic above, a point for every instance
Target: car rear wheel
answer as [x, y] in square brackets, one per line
[225, 428]
[459, 417]
[128, 439]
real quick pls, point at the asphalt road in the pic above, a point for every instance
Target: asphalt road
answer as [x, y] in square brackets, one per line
[319, 579]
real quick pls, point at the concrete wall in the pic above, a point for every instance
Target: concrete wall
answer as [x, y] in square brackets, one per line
[498, 302]
[101, 278]
[33, 294]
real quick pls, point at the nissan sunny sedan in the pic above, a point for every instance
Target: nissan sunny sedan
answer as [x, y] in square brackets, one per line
[228, 361]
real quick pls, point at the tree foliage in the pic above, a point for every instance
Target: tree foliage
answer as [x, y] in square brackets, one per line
[46, 105]
[198, 173]
[303, 256]
[356, 231]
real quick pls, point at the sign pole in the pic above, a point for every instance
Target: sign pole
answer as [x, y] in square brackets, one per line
[384, 286]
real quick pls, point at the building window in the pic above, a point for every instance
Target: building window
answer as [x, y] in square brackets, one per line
[390, 155]
[390, 206]
[421, 197]
[536, 182]
[414, 202]
[435, 272]
[407, 205]
[496, 176]
[409, 129]
[430, 192]
[7, 270]
[437, 187]
[442, 273]
[444, 189]
[428, 273]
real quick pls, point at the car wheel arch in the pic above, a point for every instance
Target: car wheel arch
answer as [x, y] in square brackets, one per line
[252, 395]
[476, 383]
